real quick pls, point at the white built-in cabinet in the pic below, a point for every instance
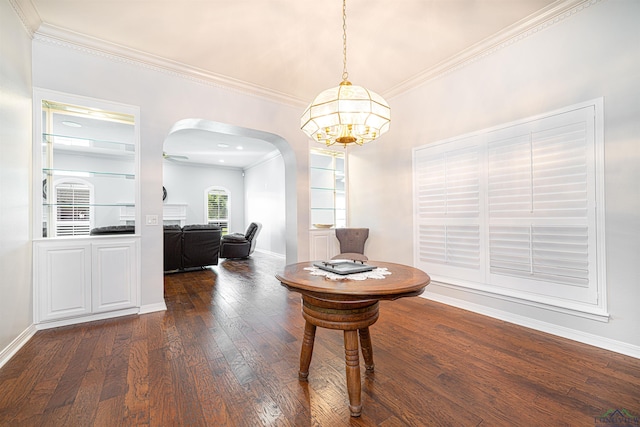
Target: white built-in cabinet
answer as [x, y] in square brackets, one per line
[85, 173]
[84, 280]
[323, 244]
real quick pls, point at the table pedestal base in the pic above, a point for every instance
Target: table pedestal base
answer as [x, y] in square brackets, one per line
[352, 317]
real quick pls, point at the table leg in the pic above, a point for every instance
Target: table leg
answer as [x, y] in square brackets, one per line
[307, 350]
[367, 349]
[352, 358]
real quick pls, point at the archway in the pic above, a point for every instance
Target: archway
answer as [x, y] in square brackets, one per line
[288, 156]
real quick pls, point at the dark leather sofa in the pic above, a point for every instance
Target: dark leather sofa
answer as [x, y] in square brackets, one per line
[185, 247]
[191, 246]
[112, 229]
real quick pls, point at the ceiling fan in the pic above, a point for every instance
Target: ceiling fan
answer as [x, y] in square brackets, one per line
[173, 156]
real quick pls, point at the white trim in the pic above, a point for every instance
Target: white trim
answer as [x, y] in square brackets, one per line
[561, 331]
[499, 293]
[89, 318]
[9, 351]
[28, 14]
[152, 308]
[274, 254]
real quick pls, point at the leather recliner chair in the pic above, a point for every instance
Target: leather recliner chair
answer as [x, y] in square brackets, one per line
[238, 245]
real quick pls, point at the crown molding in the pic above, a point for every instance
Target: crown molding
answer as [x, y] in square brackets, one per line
[539, 21]
[532, 24]
[28, 14]
[51, 34]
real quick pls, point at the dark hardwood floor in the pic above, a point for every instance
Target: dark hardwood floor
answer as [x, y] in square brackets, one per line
[226, 352]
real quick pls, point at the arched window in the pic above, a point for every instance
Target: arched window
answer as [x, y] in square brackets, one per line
[73, 207]
[217, 206]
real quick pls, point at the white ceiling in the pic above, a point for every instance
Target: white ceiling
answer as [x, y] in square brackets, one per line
[213, 148]
[292, 49]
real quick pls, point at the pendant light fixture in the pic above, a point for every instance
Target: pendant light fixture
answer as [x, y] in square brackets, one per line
[346, 114]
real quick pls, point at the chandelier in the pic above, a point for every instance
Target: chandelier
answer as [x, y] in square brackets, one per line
[346, 114]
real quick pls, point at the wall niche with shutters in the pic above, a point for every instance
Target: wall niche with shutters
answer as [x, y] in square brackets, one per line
[517, 210]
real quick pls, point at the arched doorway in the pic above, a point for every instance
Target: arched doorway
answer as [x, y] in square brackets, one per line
[216, 132]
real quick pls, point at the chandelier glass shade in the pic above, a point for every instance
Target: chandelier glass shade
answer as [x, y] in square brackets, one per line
[346, 114]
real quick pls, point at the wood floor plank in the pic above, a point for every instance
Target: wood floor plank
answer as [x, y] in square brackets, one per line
[214, 408]
[137, 394]
[85, 406]
[68, 385]
[226, 353]
[115, 383]
[161, 393]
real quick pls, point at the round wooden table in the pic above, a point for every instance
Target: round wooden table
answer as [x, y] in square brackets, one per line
[350, 306]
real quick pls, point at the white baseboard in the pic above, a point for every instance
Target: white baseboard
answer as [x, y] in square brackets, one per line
[89, 318]
[262, 251]
[7, 353]
[561, 331]
[151, 308]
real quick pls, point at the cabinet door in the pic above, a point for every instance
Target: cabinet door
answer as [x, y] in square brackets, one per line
[63, 279]
[114, 275]
[323, 245]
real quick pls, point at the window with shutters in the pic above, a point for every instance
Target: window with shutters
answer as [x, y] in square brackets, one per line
[517, 210]
[217, 202]
[74, 216]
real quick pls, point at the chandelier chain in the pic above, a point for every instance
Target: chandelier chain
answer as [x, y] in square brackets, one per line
[345, 73]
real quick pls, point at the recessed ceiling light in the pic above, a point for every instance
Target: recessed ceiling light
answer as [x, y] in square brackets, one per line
[239, 147]
[71, 124]
[221, 160]
[223, 145]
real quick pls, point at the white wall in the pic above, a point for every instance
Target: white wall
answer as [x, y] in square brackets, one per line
[16, 314]
[186, 184]
[592, 53]
[265, 202]
[164, 99]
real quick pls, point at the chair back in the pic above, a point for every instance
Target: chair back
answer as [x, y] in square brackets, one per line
[352, 239]
[252, 233]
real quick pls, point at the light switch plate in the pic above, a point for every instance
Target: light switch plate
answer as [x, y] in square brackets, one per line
[152, 220]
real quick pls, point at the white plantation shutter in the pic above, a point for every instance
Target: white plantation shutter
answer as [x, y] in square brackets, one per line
[448, 209]
[218, 207]
[541, 207]
[73, 209]
[551, 254]
[513, 210]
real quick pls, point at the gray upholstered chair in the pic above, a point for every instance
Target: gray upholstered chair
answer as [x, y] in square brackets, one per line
[352, 243]
[238, 245]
